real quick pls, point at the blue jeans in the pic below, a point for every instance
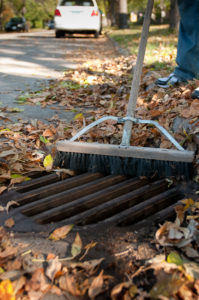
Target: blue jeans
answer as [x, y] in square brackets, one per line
[188, 41]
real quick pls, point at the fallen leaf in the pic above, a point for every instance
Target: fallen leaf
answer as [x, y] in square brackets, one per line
[188, 202]
[47, 132]
[79, 116]
[88, 247]
[69, 284]
[44, 140]
[174, 258]
[191, 268]
[48, 162]
[38, 281]
[17, 178]
[61, 233]
[9, 223]
[53, 267]
[116, 291]
[19, 284]
[6, 290]
[167, 285]
[96, 287]
[76, 246]
[2, 189]
[9, 204]
[89, 266]
[7, 153]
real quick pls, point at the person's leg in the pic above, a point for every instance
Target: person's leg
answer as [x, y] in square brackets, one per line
[188, 45]
[188, 41]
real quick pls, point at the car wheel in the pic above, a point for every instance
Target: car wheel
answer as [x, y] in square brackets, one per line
[96, 34]
[59, 34]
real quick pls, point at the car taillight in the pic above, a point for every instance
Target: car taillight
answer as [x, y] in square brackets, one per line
[94, 13]
[57, 13]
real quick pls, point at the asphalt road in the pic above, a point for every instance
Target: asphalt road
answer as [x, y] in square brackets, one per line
[28, 61]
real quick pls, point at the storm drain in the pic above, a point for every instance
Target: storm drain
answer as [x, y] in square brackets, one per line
[48, 201]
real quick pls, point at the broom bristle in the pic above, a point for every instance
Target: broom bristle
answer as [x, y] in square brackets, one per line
[119, 165]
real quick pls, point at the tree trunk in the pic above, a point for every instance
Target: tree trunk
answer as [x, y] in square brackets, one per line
[1, 14]
[123, 14]
[111, 10]
[174, 16]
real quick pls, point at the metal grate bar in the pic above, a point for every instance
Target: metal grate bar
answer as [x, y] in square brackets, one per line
[118, 204]
[57, 187]
[70, 195]
[145, 209]
[89, 201]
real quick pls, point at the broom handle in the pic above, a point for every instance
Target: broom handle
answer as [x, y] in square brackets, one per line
[137, 75]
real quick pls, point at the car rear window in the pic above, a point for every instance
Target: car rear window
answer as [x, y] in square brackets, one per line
[17, 20]
[76, 3]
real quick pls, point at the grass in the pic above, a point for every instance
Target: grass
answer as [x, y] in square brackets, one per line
[161, 46]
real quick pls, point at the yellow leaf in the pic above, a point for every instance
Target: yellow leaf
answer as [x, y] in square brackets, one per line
[174, 258]
[79, 116]
[6, 290]
[61, 233]
[76, 246]
[196, 204]
[188, 202]
[90, 245]
[133, 291]
[48, 162]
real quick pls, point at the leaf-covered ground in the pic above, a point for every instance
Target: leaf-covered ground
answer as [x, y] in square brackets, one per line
[101, 86]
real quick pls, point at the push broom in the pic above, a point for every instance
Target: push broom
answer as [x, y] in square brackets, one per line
[123, 158]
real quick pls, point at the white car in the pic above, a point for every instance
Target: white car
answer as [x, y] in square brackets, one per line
[79, 16]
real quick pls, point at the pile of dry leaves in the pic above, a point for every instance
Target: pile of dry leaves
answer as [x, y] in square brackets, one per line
[92, 91]
[27, 274]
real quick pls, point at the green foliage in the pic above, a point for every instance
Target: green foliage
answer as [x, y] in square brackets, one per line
[35, 12]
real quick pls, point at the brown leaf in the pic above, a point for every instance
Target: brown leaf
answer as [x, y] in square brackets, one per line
[60, 233]
[194, 108]
[6, 208]
[19, 284]
[69, 284]
[180, 214]
[38, 282]
[14, 264]
[48, 133]
[116, 291]
[166, 144]
[96, 287]
[8, 252]
[89, 266]
[155, 113]
[53, 267]
[7, 153]
[2, 189]
[9, 223]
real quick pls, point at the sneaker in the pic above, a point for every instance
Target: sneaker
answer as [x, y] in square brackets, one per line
[195, 94]
[171, 80]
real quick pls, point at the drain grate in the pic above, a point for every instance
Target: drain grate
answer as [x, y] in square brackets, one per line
[88, 199]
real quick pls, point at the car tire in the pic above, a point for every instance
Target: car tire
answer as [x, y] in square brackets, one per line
[96, 34]
[59, 34]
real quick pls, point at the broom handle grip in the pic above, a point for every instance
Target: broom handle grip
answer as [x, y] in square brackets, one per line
[137, 74]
